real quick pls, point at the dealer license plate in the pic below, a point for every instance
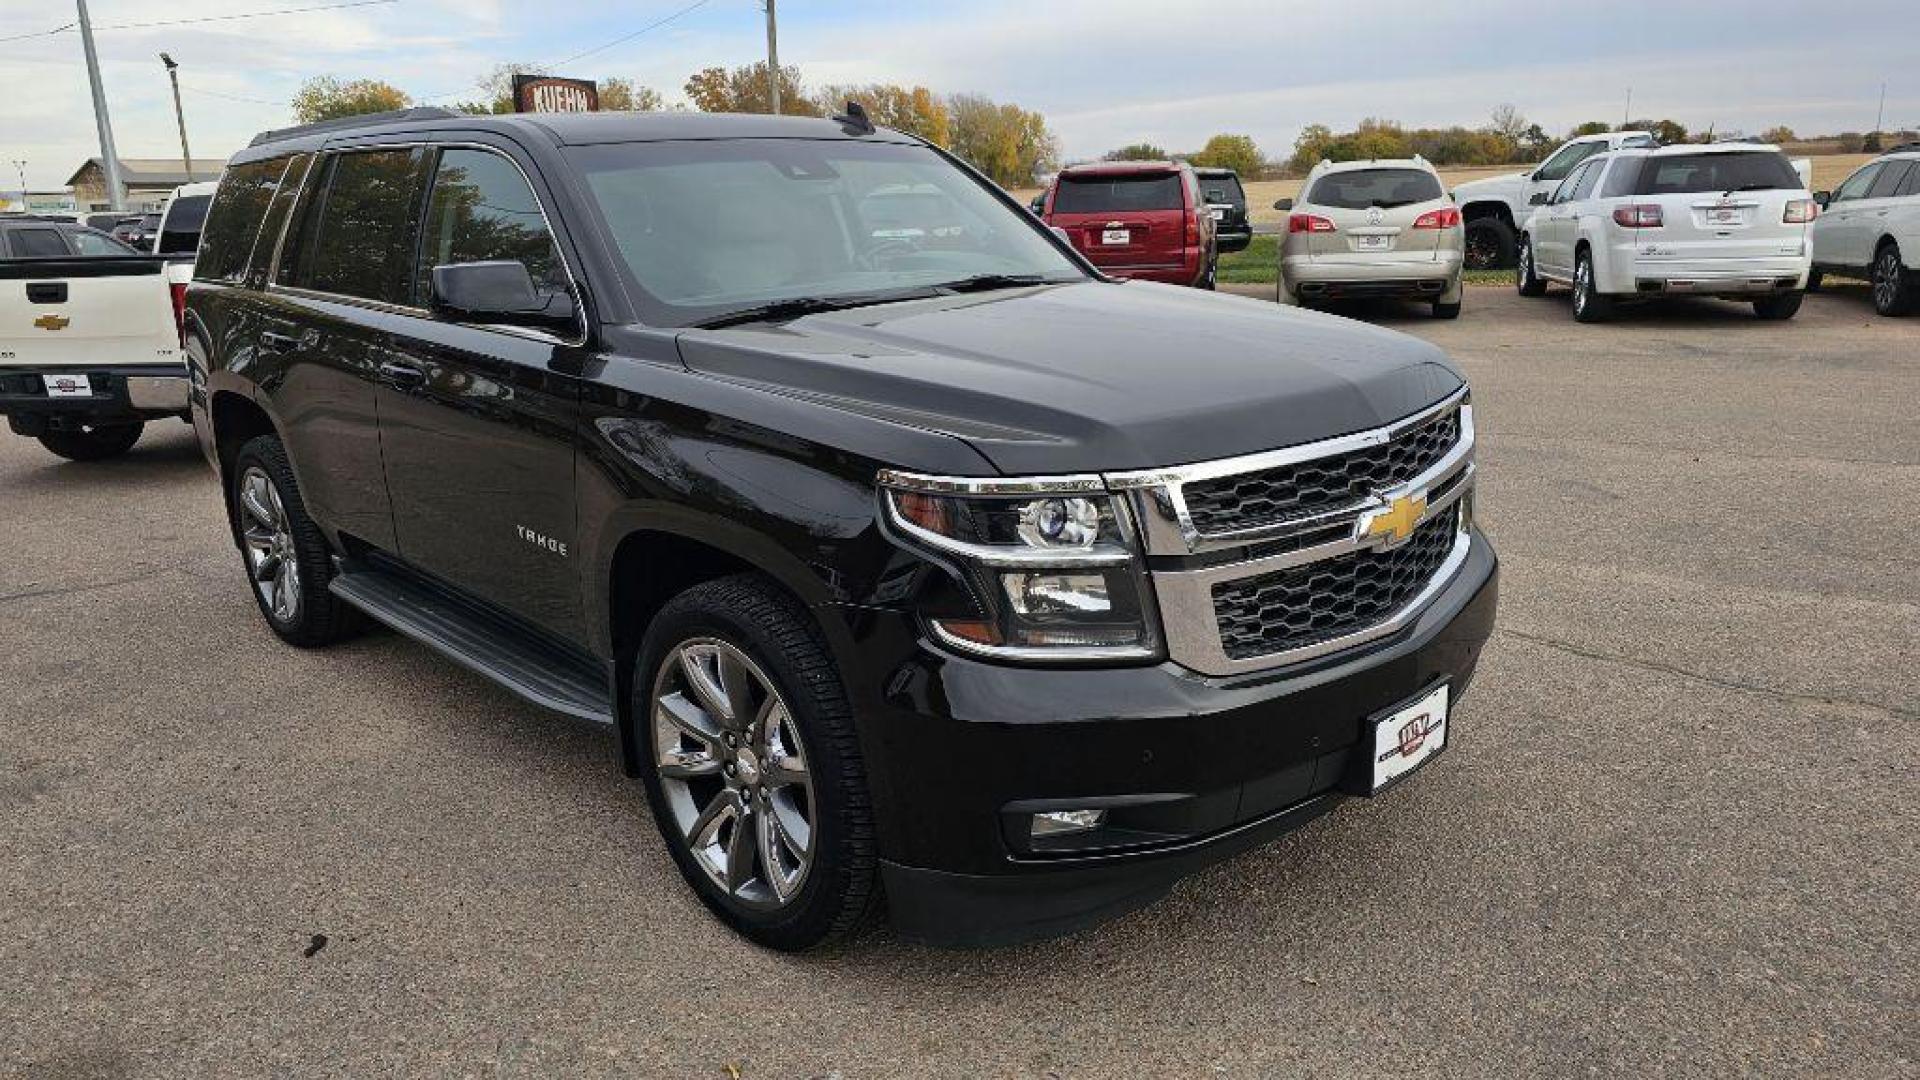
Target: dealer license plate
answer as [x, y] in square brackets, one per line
[1726, 215]
[1406, 738]
[67, 386]
[1372, 243]
[1116, 236]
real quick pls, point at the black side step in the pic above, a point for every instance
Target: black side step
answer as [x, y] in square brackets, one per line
[549, 676]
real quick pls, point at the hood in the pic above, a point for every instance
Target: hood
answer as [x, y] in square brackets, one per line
[1092, 377]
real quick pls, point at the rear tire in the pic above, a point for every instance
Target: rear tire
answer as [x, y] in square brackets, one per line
[1894, 288]
[1446, 311]
[1814, 280]
[707, 773]
[1489, 244]
[286, 556]
[1590, 305]
[1524, 278]
[93, 443]
[1779, 308]
[1211, 279]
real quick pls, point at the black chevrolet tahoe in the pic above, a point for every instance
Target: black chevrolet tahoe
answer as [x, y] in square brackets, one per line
[909, 558]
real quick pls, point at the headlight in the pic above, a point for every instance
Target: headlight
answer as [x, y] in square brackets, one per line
[1051, 565]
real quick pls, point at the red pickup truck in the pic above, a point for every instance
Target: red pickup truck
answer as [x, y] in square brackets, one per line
[1137, 219]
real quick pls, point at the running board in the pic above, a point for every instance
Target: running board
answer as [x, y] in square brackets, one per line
[545, 675]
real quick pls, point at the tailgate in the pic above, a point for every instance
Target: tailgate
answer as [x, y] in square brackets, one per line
[1137, 238]
[1742, 225]
[85, 312]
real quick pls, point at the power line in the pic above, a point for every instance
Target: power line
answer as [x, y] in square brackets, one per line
[234, 97]
[621, 40]
[204, 18]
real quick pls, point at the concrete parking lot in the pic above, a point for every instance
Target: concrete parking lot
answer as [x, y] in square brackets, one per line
[1677, 834]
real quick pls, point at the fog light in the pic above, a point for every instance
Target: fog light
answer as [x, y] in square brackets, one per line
[1062, 822]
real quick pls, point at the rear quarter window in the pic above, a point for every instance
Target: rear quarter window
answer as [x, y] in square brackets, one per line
[1622, 178]
[232, 221]
[1118, 194]
[37, 244]
[1687, 174]
[1893, 177]
[1361, 188]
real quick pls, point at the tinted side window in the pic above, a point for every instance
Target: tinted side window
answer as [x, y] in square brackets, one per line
[39, 244]
[1621, 178]
[483, 210]
[1912, 186]
[1562, 163]
[1892, 175]
[233, 220]
[1589, 179]
[360, 232]
[1856, 184]
[88, 242]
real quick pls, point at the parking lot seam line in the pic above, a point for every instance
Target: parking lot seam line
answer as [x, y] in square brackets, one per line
[1656, 448]
[1711, 680]
[68, 589]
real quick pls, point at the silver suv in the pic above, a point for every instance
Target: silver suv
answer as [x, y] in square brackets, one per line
[1373, 228]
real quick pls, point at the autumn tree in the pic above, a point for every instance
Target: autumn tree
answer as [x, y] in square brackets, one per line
[325, 97]
[915, 110]
[621, 95]
[1009, 144]
[1236, 152]
[1140, 151]
[1591, 127]
[744, 90]
[1778, 134]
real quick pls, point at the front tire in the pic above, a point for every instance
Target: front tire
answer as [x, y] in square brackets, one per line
[1894, 288]
[1525, 279]
[751, 764]
[1779, 308]
[1446, 311]
[286, 556]
[93, 443]
[1590, 305]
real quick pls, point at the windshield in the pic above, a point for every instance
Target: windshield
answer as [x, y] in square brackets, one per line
[1362, 188]
[706, 228]
[1689, 173]
[1118, 194]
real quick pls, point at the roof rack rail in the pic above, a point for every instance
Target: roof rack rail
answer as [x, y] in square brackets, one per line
[1902, 148]
[348, 123]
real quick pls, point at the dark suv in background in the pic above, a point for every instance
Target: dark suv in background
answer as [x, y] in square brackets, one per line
[1137, 219]
[1227, 201]
[906, 554]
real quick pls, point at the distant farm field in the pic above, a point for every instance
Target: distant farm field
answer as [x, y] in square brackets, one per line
[1828, 171]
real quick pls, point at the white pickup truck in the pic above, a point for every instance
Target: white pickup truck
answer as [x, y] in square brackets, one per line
[89, 337]
[1496, 207]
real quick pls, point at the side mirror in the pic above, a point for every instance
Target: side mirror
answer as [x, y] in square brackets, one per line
[1039, 204]
[501, 291]
[1824, 198]
[1283, 204]
[1540, 198]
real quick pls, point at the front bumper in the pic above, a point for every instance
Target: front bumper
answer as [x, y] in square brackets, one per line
[1192, 769]
[124, 392]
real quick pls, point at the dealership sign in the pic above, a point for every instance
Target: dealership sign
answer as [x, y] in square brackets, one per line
[543, 93]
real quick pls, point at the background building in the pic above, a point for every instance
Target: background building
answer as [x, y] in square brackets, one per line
[149, 180]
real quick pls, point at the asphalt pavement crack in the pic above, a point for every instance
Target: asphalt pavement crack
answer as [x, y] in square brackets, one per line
[65, 590]
[1711, 680]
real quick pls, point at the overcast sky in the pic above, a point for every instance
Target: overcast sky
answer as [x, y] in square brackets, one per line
[1104, 72]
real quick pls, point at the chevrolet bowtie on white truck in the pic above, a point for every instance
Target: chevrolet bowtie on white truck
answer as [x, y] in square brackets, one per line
[89, 338]
[1495, 208]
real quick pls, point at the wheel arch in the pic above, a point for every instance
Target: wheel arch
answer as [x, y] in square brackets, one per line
[236, 419]
[1479, 209]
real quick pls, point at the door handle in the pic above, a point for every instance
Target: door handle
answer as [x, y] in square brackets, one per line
[276, 342]
[402, 376]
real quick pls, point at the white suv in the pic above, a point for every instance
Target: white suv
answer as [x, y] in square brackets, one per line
[1730, 220]
[1871, 229]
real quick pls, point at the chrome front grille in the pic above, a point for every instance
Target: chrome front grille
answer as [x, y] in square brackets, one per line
[1323, 601]
[1267, 497]
[1298, 553]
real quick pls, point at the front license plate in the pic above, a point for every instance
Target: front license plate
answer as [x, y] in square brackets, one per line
[1372, 243]
[1116, 236]
[1406, 738]
[67, 386]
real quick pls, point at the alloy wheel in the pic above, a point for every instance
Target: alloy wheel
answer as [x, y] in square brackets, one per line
[1886, 278]
[733, 771]
[271, 555]
[1582, 285]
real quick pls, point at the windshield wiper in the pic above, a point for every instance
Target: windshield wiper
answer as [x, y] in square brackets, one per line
[984, 282]
[798, 306]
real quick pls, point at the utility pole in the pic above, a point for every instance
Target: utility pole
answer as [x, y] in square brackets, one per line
[179, 117]
[1878, 117]
[22, 167]
[773, 61]
[1626, 118]
[109, 158]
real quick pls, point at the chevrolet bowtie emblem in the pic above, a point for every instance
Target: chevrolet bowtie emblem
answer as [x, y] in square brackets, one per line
[52, 322]
[1395, 524]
